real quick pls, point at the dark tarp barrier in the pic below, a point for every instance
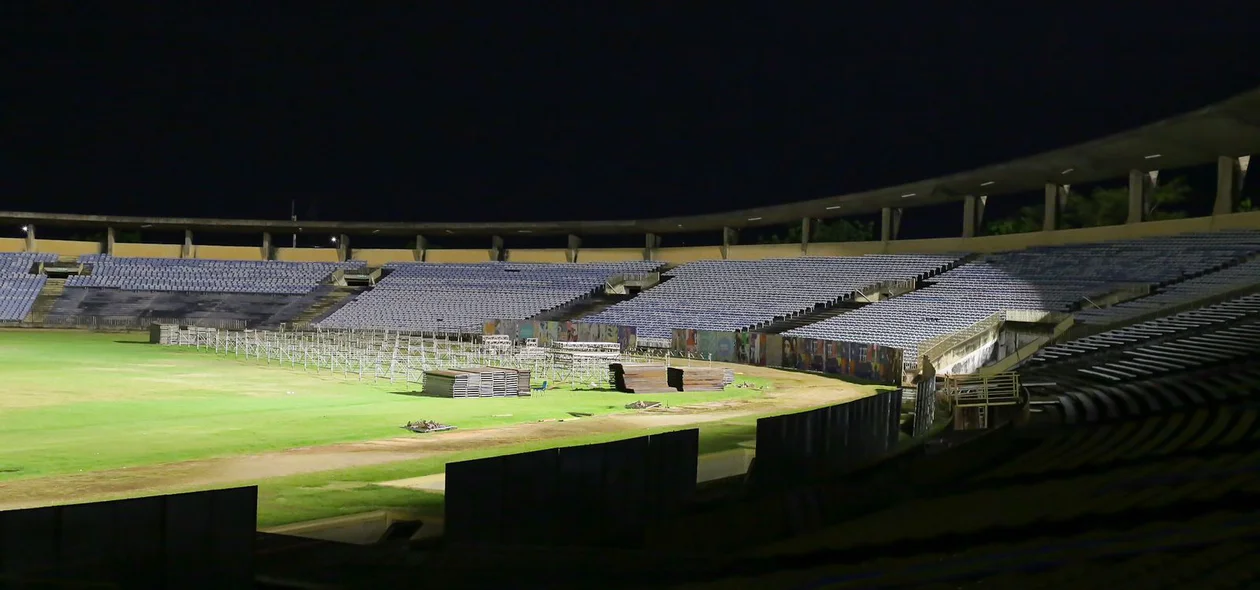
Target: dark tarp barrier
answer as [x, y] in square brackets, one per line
[200, 539]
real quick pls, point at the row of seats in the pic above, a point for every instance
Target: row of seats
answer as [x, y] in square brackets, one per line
[18, 287]
[205, 276]
[1241, 275]
[1049, 279]
[737, 295]
[456, 298]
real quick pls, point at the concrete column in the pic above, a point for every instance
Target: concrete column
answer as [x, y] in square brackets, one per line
[266, 246]
[422, 248]
[110, 238]
[730, 237]
[1141, 185]
[651, 242]
[1056, 200]
[343, 248]
[575, 244]
[30, 237]
[969, 216]
[187, 250]
[806, 227]
[889, 224]
[496, 248]
[1230, 174]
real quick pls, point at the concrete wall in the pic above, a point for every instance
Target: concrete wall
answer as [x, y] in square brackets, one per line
[452, 255]
[688, 254]
[547, 255]
[67, 247]
[379, 256]
[674, 255]
[148, 250]
[227, 252]
[307, 254]
[609, 254]
[759, 252]
[12, 245]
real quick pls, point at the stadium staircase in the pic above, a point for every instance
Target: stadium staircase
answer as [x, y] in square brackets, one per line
[807, 318]
[46, 300]
[327, 303]
[582, 307]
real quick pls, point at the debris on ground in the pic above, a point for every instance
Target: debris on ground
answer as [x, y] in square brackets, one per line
[424, 426]
[642, 405]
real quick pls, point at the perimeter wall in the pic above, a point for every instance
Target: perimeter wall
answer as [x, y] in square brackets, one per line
[677, 255]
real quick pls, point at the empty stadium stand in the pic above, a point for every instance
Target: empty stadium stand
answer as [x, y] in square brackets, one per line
[18, 286]
[738, 295]
[205, 276]
[456, 298]
[1049, 279]
[128, 292]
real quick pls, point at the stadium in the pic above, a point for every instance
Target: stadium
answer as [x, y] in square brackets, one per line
[811, 414]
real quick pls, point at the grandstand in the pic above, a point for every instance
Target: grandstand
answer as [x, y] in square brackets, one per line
[18, 286]
[458, 298]
[1054, 279]
[738, 295]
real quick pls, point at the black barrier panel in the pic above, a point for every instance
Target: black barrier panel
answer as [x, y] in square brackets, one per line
[232, 536]
[580, 475]
[769, 458]
[29, 544]
[673, 459]
[897, 397]
[474, 501]
[188, 517]
[139, 554]
[88, 553]
[625, 480]
[537, 498]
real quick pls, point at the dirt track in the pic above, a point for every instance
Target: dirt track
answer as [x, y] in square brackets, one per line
[791, 391]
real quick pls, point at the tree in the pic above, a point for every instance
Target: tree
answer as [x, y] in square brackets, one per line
[834, 230]
[1102, 206]
[1245, 206]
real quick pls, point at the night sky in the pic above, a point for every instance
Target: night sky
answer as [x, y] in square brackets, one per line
[370, 113]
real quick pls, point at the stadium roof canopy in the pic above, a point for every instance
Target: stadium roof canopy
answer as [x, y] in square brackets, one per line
[1229, 128]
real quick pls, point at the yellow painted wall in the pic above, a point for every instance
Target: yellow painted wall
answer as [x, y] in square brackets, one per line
[758, 252]
[609, 254]
[307, 254]
[455, 255]
[67, 247]
[379, 256]
[148, 250]
[546, 255]
[12, 245]
[845, 248]
[210, 252]
[688, 254]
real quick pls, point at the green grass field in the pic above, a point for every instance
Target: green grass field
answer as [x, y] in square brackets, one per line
[75, 402]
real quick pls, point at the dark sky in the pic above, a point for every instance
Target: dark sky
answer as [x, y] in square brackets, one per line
[367, 113]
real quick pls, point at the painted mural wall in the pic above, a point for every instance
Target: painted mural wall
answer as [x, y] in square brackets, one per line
[548, 332]
[871, 362]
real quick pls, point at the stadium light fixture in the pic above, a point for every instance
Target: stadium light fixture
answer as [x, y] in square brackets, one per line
[1068, 171]
[333, 239]
[26, 228]
[833, 207]
[990, 183]
[1153, 156]
[907, 196]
